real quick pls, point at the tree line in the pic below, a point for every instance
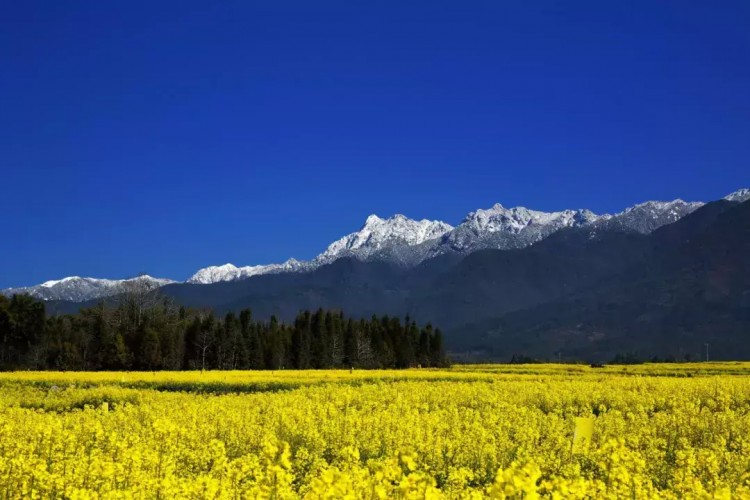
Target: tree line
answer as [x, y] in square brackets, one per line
[142, 330]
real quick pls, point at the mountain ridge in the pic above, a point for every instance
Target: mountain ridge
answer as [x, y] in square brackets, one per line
[406, 242]
[80, 289]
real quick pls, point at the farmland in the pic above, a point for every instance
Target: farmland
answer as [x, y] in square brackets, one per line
[472, 431]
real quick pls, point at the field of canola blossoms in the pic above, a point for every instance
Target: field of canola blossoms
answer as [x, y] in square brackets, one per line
[486, 431]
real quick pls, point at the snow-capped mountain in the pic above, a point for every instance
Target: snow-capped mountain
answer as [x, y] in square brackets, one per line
[77, 289]
[649, 216]
[407, 242]
[230, 272]
[506, 228]
[517, 219]
[740, 196]
[380, 237]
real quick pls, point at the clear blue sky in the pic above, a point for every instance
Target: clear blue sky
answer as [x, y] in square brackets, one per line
[161, 137]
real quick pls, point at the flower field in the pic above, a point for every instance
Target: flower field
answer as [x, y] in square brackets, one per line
[484, 431]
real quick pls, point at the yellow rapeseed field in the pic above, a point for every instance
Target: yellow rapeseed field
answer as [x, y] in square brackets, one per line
[484, 431]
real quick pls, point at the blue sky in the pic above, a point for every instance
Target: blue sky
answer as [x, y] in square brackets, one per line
[161, 137]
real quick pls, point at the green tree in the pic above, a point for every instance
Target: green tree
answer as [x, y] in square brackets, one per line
[151, 349]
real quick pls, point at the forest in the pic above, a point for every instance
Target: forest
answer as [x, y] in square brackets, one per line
[143, 330]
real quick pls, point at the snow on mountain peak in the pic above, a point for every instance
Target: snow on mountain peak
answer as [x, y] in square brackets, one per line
[377, 234]
[651, 215]
[78, 289]
[372, 220]
[51, 283]
[662, 205]
[212, 274]
[741, 195]
[230, 272]
[516, 219]
[504, 228]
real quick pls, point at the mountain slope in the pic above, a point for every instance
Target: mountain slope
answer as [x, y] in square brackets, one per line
[693, 290]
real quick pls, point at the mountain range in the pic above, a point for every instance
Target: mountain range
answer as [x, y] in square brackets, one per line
[659, 278]
[404, 242]
[78, 289]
